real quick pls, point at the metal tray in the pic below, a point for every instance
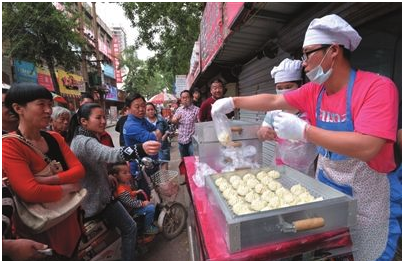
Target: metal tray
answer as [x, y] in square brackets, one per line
[242, 231]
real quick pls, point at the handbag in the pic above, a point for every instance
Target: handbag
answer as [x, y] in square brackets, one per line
[39, 217]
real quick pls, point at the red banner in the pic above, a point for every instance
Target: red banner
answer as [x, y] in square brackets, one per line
[104, 48]
[231, 12]
[117, 53]
[44, 78]
[215, 27]
[211, 33]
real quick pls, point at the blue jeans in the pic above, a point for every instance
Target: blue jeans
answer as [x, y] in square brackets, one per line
[117, 216]
[148, 211]
[186, 150]
[164, 154]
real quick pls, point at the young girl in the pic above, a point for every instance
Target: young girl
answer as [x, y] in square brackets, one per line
[128, 197]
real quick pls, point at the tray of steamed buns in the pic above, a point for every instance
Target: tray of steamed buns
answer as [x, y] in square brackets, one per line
[266, 189]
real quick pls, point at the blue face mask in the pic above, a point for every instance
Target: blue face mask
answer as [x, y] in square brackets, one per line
[317, 74]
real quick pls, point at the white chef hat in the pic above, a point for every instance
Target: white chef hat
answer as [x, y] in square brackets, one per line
[332, 29]
[288, 70]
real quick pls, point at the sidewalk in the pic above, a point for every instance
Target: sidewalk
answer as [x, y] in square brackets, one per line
[160, 248]
[178, 248]
[110, 124]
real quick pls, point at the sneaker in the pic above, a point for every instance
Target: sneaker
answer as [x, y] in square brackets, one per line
[152, 230]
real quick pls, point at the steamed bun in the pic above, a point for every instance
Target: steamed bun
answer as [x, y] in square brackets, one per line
[274, 174]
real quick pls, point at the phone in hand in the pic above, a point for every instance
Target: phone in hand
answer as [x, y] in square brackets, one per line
[47, 251]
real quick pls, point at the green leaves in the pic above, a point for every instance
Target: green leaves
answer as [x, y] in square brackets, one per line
[170, 30]
[139, 77]
[38, 32]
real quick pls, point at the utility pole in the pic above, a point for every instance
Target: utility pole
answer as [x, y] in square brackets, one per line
[99, 70]
[96, 37]
[83, 56]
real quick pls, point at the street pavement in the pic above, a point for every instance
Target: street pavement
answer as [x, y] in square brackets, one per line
[161, 249]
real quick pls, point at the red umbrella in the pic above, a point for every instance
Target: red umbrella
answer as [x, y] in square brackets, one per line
[162, 98]
[59, 98]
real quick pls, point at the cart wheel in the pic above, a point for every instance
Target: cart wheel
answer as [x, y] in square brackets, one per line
[174, 221]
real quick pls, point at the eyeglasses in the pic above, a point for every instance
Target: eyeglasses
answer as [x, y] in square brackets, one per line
[306, 55]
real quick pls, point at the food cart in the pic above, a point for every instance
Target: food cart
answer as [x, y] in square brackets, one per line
[216, 233]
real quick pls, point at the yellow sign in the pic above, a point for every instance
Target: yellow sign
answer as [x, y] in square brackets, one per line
[70, 83]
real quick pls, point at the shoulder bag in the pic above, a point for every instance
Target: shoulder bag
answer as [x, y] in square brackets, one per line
[39, 217]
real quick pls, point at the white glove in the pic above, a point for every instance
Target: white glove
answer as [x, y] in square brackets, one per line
[269, 118]
[223, 106]
[288, 126]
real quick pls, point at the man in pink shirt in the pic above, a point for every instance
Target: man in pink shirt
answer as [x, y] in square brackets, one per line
[185, 117]
[353, 123]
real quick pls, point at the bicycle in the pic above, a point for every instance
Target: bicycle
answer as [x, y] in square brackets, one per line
[164, 185]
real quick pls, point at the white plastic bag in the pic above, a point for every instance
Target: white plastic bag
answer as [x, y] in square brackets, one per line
[222, 128]
[202, 170]
[239, 157]
[297, 154]
[155, 199]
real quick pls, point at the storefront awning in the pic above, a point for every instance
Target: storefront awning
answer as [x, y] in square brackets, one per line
[254, 30]
[263, 28]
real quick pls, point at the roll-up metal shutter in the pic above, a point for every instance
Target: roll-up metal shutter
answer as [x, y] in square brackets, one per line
[291, 36]
[255, 78]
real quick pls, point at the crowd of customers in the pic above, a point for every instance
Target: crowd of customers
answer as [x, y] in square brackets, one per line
[78, 160]
[85, 151]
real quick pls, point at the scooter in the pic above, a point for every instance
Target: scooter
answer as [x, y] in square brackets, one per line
[164, 187]
[100, 242]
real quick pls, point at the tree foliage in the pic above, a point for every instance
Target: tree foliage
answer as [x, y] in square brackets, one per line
[39, 33]
[139, 77]
[170, 30]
